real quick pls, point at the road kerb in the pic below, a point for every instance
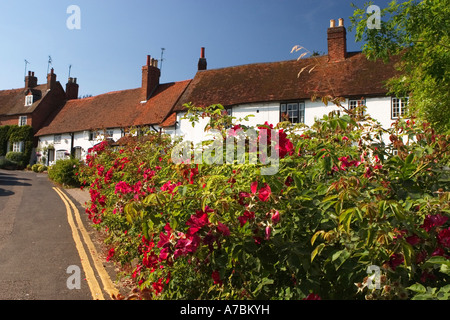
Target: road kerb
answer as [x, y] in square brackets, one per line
[93, 284]
[104, 276]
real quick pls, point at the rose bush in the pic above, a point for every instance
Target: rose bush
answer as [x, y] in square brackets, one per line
[341, 201]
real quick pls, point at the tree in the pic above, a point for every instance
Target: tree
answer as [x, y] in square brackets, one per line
[419, 31]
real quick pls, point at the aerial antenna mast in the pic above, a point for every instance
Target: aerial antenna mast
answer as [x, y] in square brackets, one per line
[162, 54]
[26, 63]
[49, 63]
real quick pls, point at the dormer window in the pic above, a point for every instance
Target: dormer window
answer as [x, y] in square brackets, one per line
[29, 100]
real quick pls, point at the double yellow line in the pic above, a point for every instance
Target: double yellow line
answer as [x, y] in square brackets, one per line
[77, 228]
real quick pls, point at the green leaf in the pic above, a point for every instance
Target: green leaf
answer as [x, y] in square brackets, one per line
[346, 217]
[437, 260]
[408, 253]
[397, 211]
[409, 159]
[417, 287]
[317, 251]
[423, 296]
[341, 256]
[445, 269]
[314, 237]
[445, 289]
[298, 181]
[263, 283]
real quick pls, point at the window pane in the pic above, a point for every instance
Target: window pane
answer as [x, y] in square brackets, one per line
[294, 112]
[395, 107]
[292, 106]
[22, 121]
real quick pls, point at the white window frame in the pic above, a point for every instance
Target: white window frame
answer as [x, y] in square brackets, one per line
[109, 133]
[57, 138]
[295, 111]
[60, 155]
[398, 107]
[23, 121]
[17, 146]
[354, 103]
[29, 100]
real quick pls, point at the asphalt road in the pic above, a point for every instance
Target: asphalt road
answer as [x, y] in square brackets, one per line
[43, 254]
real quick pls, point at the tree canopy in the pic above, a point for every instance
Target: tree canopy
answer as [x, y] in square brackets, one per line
[419, 31]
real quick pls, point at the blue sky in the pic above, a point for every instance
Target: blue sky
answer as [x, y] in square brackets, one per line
[107, 53]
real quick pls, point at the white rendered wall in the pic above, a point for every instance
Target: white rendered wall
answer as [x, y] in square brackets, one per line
[379, 108]
[80, 139]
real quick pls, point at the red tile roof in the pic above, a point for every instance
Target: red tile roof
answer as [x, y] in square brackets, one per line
[170, 121]
[119, 109]
[279, 81]
[12, 102]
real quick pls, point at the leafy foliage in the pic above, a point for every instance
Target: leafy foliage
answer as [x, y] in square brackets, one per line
[341, 201]
[13, 134]
[418, 31]
[63, 172]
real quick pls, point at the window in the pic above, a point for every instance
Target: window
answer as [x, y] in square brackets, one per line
[229, 111]
[91, 135]
[77, 153]
[18, 146]
[293, 112]
[61, 154]
[29, 100]
[22, 121]
[57, 138]
[398, 107]
[109, 133]
[51, 155]
[353, 104]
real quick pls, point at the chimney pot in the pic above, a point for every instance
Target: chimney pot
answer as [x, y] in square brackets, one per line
[202, 64]
[51, 80]
[30, 80]
[203, 53]
[332, 23]
[150, 78]
[337, 41]
[72, 89]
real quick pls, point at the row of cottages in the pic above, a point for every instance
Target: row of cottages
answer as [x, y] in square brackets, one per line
[268, 91]
[31, 105]
[79, 124]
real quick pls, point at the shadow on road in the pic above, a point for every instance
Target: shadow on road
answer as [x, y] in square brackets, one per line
[10, 179]
[4, 193]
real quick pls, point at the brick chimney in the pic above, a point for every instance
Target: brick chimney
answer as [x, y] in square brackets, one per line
[337, 41]
[150, 78]
[30, 80]
[51, 80]
[72, 89]
[202, 65]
